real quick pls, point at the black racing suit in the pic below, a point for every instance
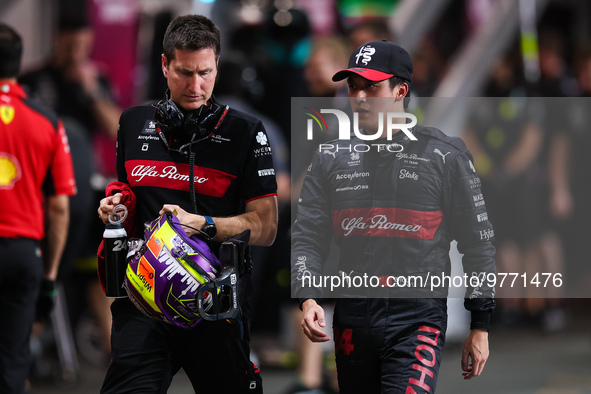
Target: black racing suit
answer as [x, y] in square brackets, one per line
[393, 209]
[232, 167]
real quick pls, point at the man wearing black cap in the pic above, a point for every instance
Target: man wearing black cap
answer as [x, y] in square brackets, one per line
[393, 211]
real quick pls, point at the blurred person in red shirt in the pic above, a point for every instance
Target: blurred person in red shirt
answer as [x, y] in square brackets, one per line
[36, 180]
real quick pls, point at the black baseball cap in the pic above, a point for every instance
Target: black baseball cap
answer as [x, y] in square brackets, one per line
[378, 61]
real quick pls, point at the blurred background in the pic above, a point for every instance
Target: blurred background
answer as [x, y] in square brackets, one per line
[91, 59]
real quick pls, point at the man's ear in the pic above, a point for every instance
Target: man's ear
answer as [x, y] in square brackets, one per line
[402, 90]
[164, 65]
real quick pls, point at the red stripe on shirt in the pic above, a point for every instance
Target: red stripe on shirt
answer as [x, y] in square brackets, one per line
[386, 222]
[171, 175]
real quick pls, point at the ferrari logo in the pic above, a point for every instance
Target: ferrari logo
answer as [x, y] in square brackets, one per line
[6, 113]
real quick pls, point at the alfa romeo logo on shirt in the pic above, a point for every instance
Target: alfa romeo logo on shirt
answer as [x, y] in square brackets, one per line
[261, 138]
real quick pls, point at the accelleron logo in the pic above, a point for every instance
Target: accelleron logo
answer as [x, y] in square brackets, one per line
[352, 175]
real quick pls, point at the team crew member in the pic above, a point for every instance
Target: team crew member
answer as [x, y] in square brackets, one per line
[36, 180]
[422, 193]
[233, 189]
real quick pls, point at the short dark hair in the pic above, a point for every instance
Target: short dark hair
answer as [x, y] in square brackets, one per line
[395, 81]
[11, 51]
[191, 32]
[72, 22]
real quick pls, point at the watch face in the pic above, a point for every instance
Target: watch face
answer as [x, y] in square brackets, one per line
[210, 228]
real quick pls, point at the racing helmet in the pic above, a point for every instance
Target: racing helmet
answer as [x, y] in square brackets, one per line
[164, 276]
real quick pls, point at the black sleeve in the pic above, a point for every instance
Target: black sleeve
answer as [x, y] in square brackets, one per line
[311, 233]
[259, 172]
[471, 228]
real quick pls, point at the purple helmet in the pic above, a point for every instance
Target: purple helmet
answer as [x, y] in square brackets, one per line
[164, 276]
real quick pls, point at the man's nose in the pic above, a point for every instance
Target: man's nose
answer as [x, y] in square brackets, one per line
[195, 83]
[360, 96]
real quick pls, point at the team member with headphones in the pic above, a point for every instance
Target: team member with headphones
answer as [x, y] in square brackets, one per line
[211, 165]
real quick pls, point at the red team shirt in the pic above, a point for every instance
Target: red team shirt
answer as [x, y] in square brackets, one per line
[35, 161]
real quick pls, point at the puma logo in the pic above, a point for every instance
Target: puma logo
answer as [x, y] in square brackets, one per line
[330, 153]
[440, 154]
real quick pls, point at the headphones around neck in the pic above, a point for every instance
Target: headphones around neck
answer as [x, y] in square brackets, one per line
[202, 121]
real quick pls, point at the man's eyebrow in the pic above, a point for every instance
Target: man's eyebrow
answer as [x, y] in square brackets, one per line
[364, 81]
[191, 70]
[183, 68]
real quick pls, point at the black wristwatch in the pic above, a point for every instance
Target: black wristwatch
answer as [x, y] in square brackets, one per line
[209, 227]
